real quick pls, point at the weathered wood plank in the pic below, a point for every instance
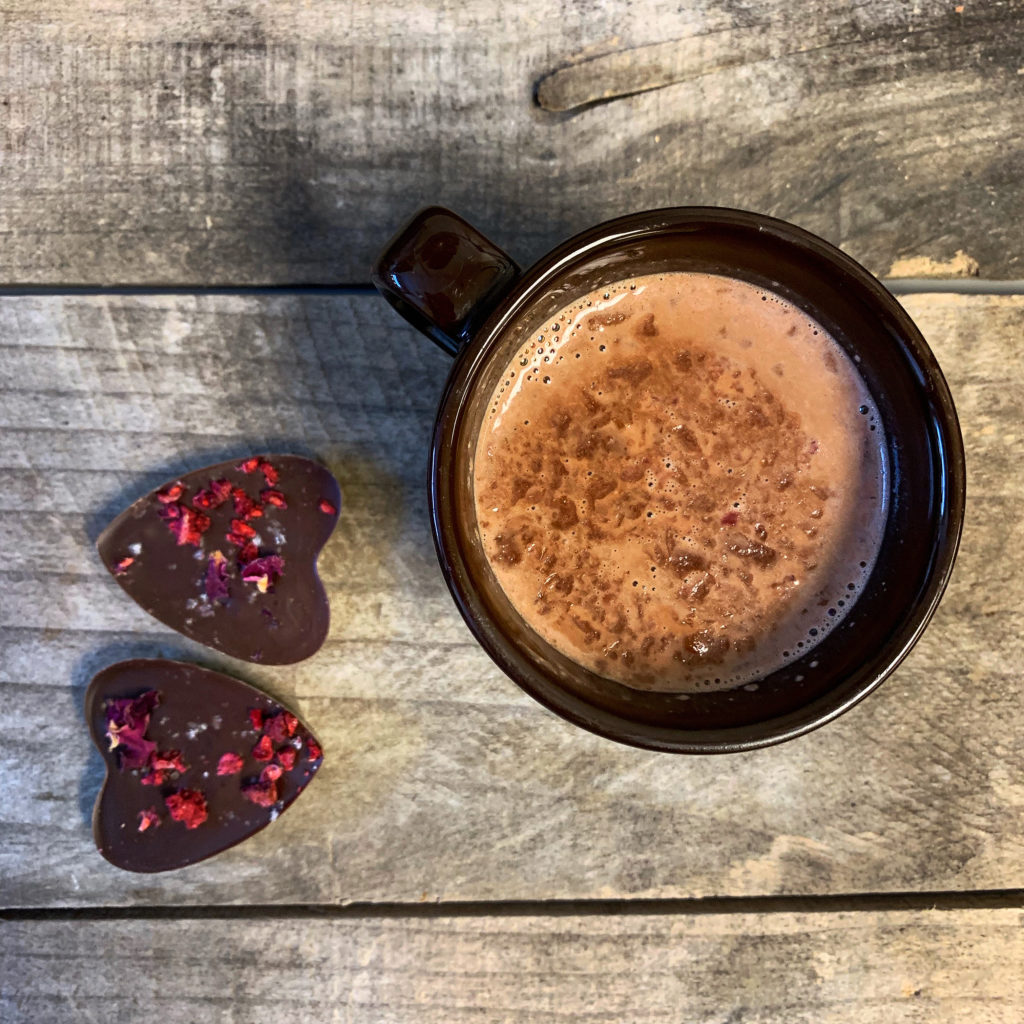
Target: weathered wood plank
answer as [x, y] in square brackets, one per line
[442, 780]
[271, 141]
[897, 967]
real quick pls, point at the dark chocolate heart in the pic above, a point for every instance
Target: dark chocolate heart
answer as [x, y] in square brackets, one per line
[196, 762]
[227, 555]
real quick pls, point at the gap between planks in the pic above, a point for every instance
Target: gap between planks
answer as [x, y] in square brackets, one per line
[896, 285]
[982, 899]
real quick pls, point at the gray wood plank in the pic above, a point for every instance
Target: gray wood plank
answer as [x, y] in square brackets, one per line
[896, 967]
[276, 141]
[442, 781]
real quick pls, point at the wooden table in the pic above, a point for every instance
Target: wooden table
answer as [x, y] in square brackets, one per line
[190, 198]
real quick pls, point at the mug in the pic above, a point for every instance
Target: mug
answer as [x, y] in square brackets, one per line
[467, 295]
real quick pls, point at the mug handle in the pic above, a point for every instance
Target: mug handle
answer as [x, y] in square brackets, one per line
[443, 276]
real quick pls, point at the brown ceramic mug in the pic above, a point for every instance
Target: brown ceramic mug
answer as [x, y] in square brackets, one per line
[471, 298]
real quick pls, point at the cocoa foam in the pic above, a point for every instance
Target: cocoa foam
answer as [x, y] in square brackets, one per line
[680, 482]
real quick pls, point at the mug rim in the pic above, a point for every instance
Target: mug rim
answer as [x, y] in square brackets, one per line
[548, 692]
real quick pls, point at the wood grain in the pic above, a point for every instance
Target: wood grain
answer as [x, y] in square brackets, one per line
[278, 141]
[897, 967]
[442, 780]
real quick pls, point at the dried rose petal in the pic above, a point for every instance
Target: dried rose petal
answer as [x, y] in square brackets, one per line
[188, 806]
[286, 758]
[122, 566]
[264, 572]
[263, 750]
[229, 764]
[148, 819]
[256, 717]
[171, 493]
[326, 507]
[280, 727]
[217, 577]
[127, 722]
[271, 497]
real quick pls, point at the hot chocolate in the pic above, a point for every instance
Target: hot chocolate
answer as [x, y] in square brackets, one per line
[680, 482]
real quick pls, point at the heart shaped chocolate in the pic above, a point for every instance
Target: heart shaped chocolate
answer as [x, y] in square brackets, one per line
[196, 762]
[227, 555]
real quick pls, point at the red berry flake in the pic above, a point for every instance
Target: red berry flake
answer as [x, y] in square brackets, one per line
[127, 722]
[264, 793]
[281, 727]
[162, 768]
[229, 764]
[248, 553]
[171, 493]
[214, 495]
[148, 819]
[249, 465]
[122, 566]
[241, 529]
[313, 750]
[730, 518]
[326, 507]
[188, 806]
[286, 758]
[271, 497]
[264, 749]
[269, 473]
[217, 577]
[264, 572]
[245, 507]
[185, 523]
[256, 717]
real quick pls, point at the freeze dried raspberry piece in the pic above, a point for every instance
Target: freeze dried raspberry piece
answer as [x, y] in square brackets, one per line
[166, 765]
[170, 493]
[206, 552]
[246, 507]
[213, 495]
[264, 749]
[196, 787]
[187, 525]
[229, 764]
[187, 806]
[281, 727]
[264, 792]
[271, 497]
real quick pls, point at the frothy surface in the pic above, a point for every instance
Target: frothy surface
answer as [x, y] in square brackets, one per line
[679, 482]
